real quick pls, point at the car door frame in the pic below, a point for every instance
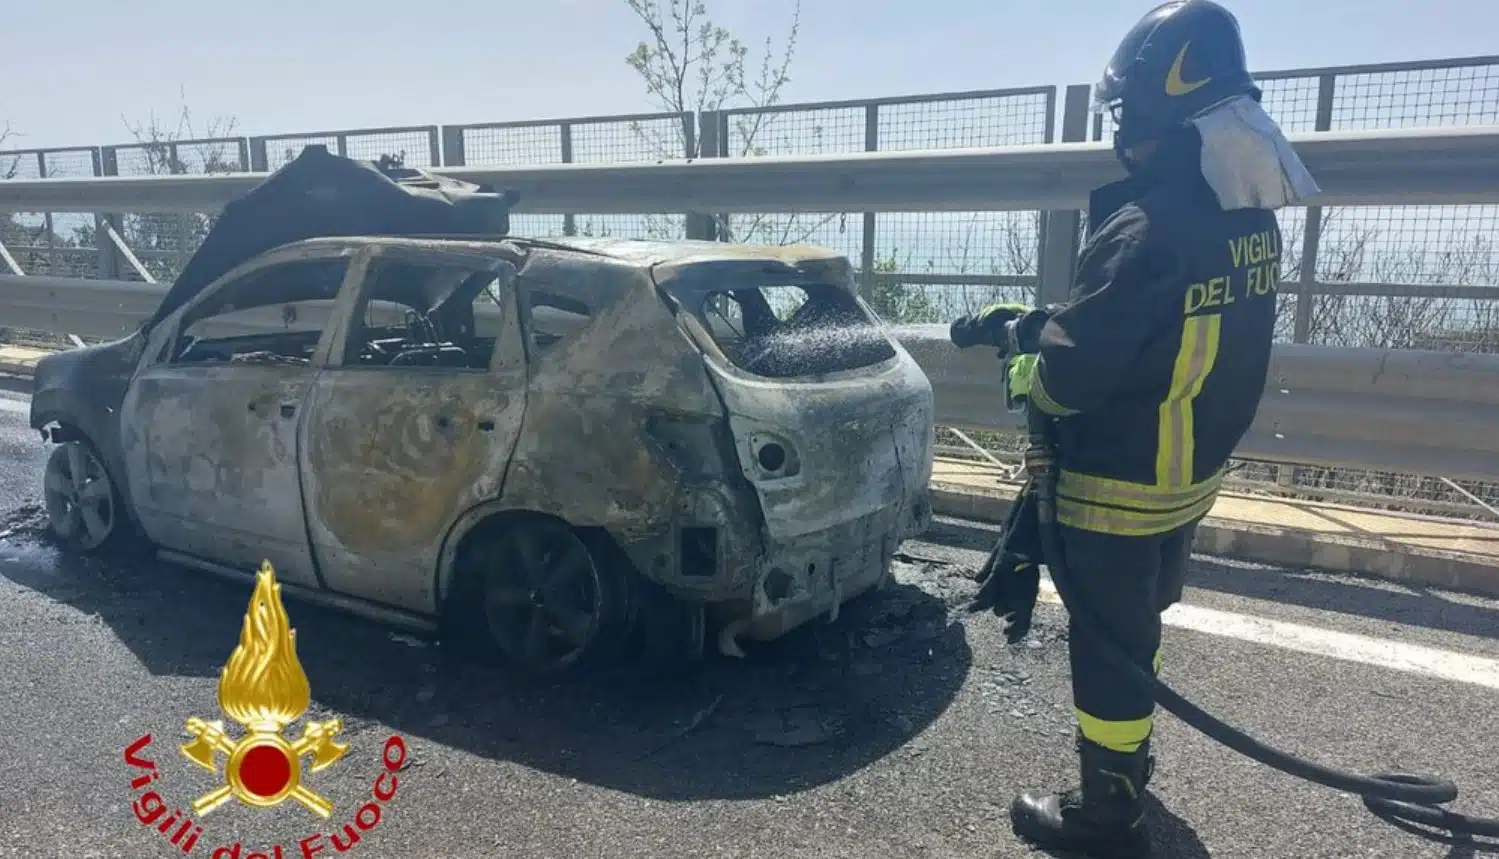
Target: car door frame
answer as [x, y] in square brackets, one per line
[164, 334]
[510, 359]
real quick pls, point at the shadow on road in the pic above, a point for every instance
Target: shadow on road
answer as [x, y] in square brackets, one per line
[807, 710]
[1174, 838]
[1405, 604]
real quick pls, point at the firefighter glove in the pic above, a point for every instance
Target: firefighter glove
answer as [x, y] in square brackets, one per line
[1009, 587]
[1021, 371]
[1010, 580]
[1023, 333]
[985, 328]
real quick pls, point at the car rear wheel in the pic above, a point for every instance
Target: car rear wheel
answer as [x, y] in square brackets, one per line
[553, 600]
[83, 504]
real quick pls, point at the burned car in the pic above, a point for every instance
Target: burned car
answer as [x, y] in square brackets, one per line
[560, 450]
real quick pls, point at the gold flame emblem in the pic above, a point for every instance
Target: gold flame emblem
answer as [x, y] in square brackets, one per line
[264, 689]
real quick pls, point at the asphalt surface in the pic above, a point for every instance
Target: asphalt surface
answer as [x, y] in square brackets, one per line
[902, 729]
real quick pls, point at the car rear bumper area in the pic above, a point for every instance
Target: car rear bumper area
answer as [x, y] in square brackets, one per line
[814, 574]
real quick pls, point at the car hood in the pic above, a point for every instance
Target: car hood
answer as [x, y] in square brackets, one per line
[97, 375]
[320, 194]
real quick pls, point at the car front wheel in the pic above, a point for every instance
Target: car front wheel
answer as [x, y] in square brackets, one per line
[83, 503]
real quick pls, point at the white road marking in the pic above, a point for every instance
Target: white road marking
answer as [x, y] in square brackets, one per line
[20, 407]
[1379, 652]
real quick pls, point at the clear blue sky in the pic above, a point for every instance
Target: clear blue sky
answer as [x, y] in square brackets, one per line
[71, 71]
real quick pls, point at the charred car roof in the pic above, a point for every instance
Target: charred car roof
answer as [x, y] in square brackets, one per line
[685, 258]
[319, 195]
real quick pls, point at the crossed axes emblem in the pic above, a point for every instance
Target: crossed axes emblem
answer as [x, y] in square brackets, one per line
[317, 740]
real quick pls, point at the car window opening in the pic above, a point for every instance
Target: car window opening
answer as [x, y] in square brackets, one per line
[554, 317]
[423, 315]
[272, 316]
[786, 331]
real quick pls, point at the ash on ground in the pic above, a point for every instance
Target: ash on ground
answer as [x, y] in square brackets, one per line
[26, 524]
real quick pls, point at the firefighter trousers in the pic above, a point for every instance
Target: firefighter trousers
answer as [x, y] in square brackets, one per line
[1127, 582]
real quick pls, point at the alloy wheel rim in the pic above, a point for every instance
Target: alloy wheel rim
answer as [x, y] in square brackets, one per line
[79, 496]
[542, 598]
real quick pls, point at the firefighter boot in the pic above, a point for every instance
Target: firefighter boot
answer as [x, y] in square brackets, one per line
[1104, 817]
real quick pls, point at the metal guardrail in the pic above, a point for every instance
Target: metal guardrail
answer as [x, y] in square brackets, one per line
[1392, 167]
[1401, 410]
[1423, 412]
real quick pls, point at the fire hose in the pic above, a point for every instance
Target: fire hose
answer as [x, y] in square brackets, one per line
[1412, 803]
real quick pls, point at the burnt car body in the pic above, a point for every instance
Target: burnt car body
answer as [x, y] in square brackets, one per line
[558, 445]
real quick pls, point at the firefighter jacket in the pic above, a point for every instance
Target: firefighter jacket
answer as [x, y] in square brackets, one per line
[1155, 366]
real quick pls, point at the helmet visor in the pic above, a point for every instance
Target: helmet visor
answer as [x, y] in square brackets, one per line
[1109, 91]
[1107, 98]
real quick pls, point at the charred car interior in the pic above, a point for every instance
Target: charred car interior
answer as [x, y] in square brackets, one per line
[788, 330]
[558, 452]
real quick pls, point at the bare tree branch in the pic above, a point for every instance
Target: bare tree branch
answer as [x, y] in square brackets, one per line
[691, 65]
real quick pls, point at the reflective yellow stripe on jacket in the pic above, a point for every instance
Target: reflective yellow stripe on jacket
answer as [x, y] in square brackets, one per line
[1194, 361]
[1112, 506]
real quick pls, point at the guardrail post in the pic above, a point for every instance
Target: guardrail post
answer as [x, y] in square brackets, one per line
[184, 220]
[701, 225]
[866, 253]
[565, 136]
[48, 224]
[1311, 243]
[452, 146]
[1061, 231]
[107, 163]
[689, 134]
[1311, 239]
[259, 158]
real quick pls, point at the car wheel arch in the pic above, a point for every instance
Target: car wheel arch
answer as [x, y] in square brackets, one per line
[69, 423]
[77, 426]
[468, 524]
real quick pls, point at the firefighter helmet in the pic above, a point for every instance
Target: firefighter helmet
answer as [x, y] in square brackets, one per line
[1181, 58]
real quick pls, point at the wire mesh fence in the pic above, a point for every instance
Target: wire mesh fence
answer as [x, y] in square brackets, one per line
[979, 252]
[416, 146]
[1444, 253]
[60, 244]
[47, 243]
[163, 243]
[621, 139]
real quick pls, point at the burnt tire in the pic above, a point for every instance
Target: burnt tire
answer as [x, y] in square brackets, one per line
[542, 597]
[85, 507]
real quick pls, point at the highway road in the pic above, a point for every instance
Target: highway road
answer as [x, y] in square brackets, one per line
[902, 729]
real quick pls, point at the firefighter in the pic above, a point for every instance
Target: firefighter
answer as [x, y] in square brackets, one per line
[1152, 371]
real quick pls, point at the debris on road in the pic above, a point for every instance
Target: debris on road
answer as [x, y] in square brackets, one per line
[27, 522]
[798, 727]
[696, 722]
